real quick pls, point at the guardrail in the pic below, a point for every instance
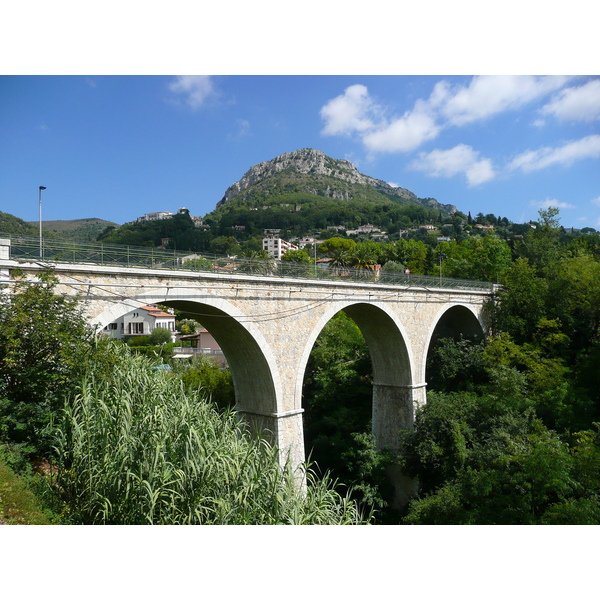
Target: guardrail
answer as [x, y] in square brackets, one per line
[25, 248]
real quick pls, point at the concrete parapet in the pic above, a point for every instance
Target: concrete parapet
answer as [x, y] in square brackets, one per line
[4, 248]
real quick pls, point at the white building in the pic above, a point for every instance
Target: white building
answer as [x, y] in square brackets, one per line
[165, 214]
[368, 228]
[155, 216]
[142, 321]
[277, 247]
[303, 241]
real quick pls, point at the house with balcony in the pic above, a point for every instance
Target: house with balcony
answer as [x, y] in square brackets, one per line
[141, 321]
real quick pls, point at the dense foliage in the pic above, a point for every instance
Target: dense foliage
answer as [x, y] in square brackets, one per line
[136, 448]
[45, 345]
[179, 230]
[11, 224]
[510, 432]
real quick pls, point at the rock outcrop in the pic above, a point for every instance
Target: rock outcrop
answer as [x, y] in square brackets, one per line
[310, 162]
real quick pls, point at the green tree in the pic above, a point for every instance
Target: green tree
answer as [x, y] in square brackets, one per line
[482, 463]
[541, 244]
[45, 344]
[455, 365]
[482, 258]
[259, 262]
[160, 336]
[412, 253]
[205, 377]
[365, 255]
[296, 263]
[341, 259]
[336, 244]
[225, 245]
[297, 256]
[187, 326]
[574, 290]
[521, 300]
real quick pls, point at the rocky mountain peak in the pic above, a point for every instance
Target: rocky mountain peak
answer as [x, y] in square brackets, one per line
[312, 163]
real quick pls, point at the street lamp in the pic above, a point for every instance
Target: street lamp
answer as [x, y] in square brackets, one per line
[41, 188]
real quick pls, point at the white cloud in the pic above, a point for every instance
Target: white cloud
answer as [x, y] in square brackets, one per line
[403, 134]
[460, 159]
[244, 127]
[488, 95]
[195, 89]
[534, 160]
[348, 112]
[596, 201]
[576, 103]
[243, 130]
[550, 202]
[354, 111]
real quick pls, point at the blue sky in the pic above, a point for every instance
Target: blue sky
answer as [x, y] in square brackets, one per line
[116, 147]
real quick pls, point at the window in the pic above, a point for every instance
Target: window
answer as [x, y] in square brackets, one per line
[136, 328]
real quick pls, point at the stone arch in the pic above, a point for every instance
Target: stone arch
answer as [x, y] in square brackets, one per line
[454, 321]
[390, 352]
[254, 370]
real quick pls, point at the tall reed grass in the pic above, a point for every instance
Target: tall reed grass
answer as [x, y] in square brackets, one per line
[136, 448]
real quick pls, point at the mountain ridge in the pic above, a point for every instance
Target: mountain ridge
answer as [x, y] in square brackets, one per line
[320, 174]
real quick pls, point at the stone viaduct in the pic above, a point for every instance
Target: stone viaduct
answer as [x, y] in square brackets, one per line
[267, 326]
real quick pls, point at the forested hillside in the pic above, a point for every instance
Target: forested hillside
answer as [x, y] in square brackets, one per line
[77, 230]
[11, 224]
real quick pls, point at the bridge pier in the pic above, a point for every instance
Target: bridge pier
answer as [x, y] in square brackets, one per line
[394, 410]
[285, 432]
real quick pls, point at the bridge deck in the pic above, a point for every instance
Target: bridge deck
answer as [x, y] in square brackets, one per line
[29, 249]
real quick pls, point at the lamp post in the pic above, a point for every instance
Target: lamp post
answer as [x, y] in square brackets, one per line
[41, 250]
[442, 256]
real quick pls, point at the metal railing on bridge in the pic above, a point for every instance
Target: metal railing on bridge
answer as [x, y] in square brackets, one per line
[24, 248]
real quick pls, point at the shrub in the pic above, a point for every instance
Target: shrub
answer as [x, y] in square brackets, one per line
[45, 344]
[138, 449]
[160, 336]
[203, 376]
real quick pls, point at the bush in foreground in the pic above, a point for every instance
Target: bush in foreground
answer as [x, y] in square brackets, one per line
[139, 449]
